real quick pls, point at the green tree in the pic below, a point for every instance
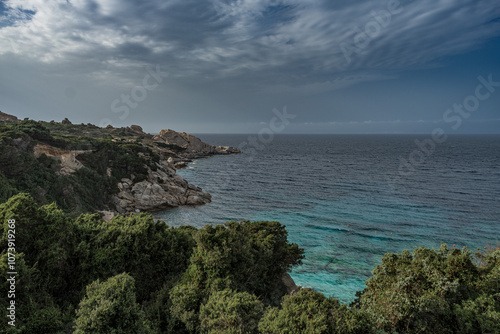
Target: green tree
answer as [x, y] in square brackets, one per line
[25, 291]
[149, 251]
[243, 256]
[111, 307]
[45, 236]
[47, 320]
[489, 268]
[158, 312]
[231, 312]
[62, 255]
[415, 293]
[478, 316]
[482, 313]
[311, 312]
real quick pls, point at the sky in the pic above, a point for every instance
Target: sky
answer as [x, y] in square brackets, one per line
[247, 66]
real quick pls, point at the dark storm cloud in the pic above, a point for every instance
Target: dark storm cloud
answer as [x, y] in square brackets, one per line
[232, 38]
[276, 46]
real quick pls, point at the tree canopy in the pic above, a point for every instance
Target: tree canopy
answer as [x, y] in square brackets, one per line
[137, 275]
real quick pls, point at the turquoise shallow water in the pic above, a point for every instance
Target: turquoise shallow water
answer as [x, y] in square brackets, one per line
[338, 198]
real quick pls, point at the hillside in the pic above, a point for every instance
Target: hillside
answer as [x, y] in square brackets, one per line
[84, 168]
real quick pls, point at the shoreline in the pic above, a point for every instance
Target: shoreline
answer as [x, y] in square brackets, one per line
[133, 171]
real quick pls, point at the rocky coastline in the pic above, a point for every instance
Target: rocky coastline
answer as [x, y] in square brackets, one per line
[157, 187]
[164, 188]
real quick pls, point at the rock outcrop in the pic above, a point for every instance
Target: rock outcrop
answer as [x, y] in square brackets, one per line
[191, 146]
[136, 128]
[162, 189]
[7, 118]
[291, 287]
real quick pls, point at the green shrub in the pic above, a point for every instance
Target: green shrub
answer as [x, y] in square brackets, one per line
[419, 292]
[231, 312]
[62, 255]
[150, 252]
[86, 190]
[481, 315]
[311, 312]
[158, 313]
[111, 307]
[242, 256]
[45, 321]
[219, 278]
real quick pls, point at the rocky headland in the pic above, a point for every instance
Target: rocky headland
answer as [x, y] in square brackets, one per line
[189, 147]
[151, 185]
[163, 188]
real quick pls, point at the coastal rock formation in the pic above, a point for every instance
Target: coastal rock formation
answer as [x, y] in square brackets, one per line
[136, 128]
[291, 287]
[145, 163]
[162, 189]
[191, 146]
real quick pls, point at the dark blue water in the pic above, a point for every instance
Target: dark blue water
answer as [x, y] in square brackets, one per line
[346, 199]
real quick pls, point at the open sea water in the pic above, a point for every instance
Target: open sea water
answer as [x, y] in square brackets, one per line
[349, 199]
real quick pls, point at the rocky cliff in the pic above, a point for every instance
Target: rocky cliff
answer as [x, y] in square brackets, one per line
[135, 170]
[162, 189]
[191, 146]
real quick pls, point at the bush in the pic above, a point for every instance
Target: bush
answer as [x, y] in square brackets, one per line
[311, 312]
[150, 252]
[89, 188]
[21, 171]
[481, 315]
[62, 255]
[231, 312]
[111, 307]
[45, 321]
[219, 279]
[423, 291]
[245, 257]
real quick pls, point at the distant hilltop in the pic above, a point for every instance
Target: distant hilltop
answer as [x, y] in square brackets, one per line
[7, 118]
[191, 146]
[85, 168]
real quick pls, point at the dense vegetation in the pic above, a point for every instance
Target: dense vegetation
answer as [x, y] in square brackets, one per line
[135, 275]
[88, 188]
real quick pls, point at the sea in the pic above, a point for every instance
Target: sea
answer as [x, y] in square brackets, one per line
[349, 199]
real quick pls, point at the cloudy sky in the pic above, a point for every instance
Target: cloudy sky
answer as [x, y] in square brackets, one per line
[203, 66]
